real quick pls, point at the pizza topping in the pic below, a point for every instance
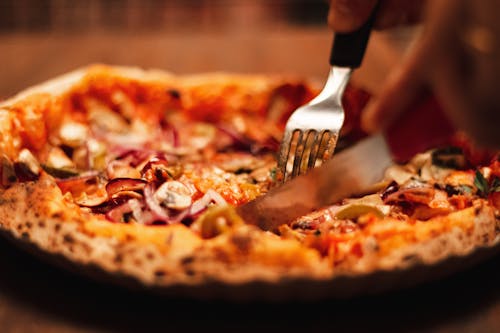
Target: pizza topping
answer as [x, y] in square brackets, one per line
[449, 157]
[8, 175]
[354, 211]
[29, 163]
[73, 134]
[157, 170]
[103, 119]
[122, 213]
[58, 159]
[216, 220]
[203, 203]
[481, 184]
[118, 186]
[174, 195]
[87, 189]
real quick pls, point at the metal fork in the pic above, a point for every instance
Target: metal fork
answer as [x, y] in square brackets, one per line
[312, 131]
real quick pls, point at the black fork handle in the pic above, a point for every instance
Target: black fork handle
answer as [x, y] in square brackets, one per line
[349, 48]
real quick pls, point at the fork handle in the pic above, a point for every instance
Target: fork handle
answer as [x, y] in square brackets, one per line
[348, 49]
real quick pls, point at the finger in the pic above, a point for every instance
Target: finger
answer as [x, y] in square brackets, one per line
[406, 84]
[349, 15]
[394, 13]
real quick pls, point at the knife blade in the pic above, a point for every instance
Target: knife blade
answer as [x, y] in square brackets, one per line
[324, 185]
[351, 171]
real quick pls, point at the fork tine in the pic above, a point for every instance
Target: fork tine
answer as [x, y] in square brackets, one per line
[315, 147]
[299, 152]
[310, 147]
[284, 154]
[330, 144]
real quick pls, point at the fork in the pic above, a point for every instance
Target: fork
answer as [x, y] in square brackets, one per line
[312, 131]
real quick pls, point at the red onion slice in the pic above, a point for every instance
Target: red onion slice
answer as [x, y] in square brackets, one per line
[170, 134]
[153, 205]
[116, 214]
[201, 204]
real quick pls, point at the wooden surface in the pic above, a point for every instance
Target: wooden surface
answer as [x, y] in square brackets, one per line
[35, 297]
[28, 59]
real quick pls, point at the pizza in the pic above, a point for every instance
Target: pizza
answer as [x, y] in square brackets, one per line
[136, 173]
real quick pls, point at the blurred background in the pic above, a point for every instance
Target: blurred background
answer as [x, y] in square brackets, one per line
[40, 39]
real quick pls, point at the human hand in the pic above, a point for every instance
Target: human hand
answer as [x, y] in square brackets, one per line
[457, 58]
[349, 15]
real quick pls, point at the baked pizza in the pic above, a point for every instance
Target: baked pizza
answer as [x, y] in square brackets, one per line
[137, 173]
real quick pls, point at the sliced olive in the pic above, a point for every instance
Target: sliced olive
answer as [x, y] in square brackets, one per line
[449, 157]
[61, 173]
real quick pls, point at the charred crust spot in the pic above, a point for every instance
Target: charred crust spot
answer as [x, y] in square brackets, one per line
[25, 235]
[486, 239]
[410, 257]
[87, 248]
[160, 273]
[57, 227]
[29, 225]
[174, 93]
[243, 243]
[41, 224]
[221, 255]
[187, 260]
[57, 215]
[190, 272]
[68, 238]
[118, 258]
[477, 211]
[19, 227]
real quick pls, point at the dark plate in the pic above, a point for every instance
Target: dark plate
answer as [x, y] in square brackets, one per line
[340, 287]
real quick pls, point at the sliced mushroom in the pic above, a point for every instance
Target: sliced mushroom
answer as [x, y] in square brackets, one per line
[174, 195]
[73, 134]
[398, 173]
[104, 118]
[96, 154]
[30, 161]
[57, 159]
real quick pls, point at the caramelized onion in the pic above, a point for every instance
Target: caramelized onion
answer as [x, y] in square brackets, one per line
[117, 185]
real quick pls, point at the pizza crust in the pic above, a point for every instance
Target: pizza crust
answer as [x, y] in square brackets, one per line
[38, 214]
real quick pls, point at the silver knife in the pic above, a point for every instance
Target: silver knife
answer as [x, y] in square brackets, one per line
[351, 171]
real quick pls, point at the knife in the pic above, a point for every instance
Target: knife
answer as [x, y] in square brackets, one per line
[353, 170]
